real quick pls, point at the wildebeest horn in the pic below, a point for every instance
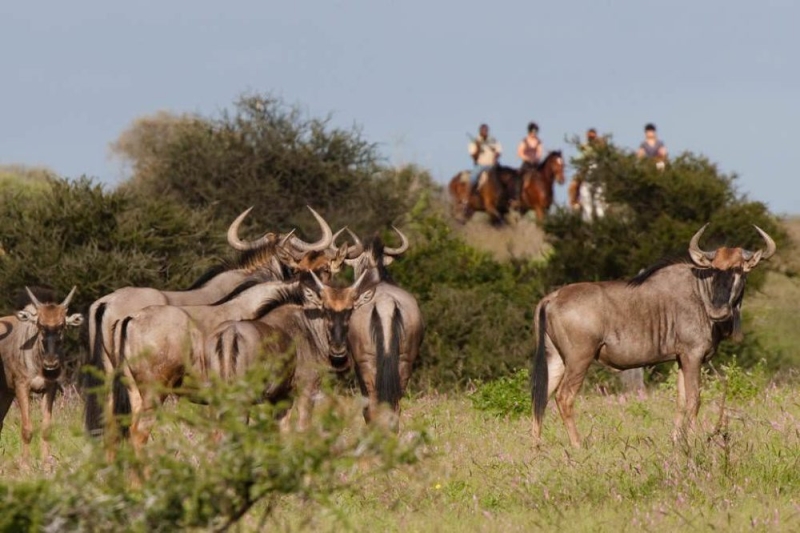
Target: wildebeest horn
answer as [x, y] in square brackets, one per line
[336, 236]
[360, 279]
[358, 247]
[238, 244]
[36, 303]
[696, 252]
[321, 244]
[771, 247]
[319, 283]
[286, 238]
[403, 246]
[68, 299]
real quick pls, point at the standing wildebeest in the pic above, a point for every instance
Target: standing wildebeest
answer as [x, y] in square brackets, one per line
[537, 184]
[670, 312]
[159, 345]
[385, 335]
[32, 361]
[495, 189]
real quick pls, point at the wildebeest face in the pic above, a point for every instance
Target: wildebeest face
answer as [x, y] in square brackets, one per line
[336, 305]
[51, 320]
[727, 288]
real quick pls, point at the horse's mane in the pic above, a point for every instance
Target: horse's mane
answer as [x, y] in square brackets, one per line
[648, 272]
[551, 154]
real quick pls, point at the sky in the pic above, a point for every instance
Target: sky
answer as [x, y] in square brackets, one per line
[719, 78]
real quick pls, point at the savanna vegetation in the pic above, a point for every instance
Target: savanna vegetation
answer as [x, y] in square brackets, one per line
[465, 422]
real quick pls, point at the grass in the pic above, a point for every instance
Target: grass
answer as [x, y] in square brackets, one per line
[482, 474]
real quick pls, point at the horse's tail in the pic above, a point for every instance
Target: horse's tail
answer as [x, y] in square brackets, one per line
[122, 400]
[388, 379]
[539, 375]
[91, 380]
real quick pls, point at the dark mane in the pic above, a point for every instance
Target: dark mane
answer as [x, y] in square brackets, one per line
[239, 289]
[648, 272]
[548, 157]
[252, 260]
[207, 276]
[288, 296]
[375, 246]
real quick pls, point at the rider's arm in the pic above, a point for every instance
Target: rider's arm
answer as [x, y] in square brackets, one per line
[640, 152]
[662, 150]
[521, 150]
[539, 151]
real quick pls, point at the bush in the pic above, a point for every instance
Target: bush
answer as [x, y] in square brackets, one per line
[505, 396]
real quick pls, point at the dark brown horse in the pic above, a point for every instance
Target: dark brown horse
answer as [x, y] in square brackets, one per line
[537, 184]
[494, 191]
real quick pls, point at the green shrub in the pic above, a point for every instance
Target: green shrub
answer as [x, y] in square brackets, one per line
[505, 396]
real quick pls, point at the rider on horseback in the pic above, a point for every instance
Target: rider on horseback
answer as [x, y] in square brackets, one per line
[530, 150]
[484, 151]
[652, 147]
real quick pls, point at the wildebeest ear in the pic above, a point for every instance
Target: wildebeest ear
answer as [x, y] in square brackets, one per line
[25, 316]
[388, 260]
[750, 263]
[339, 258]
[311, 299]
[364, 298]
[75, 320]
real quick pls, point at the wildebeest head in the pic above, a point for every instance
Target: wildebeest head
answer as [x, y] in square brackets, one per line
[727, 268]
[376, 256]
[51, 319]
[336, 305]
[325, 263]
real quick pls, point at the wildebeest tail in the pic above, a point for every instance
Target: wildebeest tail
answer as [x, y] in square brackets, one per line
[228, 353]
[122, 401]
[388, 364]
[539, 374]
[91, 381]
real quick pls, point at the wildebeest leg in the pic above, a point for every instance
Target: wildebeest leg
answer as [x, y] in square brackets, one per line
[566, 394]
[681, 411]
[555, 373]
[144, 420]
[47, 415]
[308, 388]
[23, 401]
[691, 376]
[6, 399]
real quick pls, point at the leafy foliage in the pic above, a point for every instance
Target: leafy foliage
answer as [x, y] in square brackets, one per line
[505, 396]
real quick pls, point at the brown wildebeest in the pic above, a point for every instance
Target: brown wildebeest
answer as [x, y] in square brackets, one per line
[385, 334]
[495, 189]
[159, 345]
[31, 349]
[537, 184]
[670, 312]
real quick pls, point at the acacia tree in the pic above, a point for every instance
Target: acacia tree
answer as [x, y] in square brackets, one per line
[268, 154]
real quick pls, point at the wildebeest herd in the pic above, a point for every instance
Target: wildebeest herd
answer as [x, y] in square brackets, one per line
[280, 296]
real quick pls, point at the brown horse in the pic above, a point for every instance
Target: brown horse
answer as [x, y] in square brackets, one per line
[494, 191]
[537, 184]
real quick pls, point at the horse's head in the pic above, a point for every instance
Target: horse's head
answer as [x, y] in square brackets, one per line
[553, 166]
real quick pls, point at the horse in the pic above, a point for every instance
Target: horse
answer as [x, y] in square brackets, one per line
[586, 196]
[537, 184]
[495, 189]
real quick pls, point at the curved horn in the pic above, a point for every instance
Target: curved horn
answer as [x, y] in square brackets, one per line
[36, 303]
[319, 283]
[336, 236]
[403, 246]
[358, 282]
[696, 252]
[771, 247]
[322, 243]
[358, 247]
[238, 244]
[286, 238]
[68, 299]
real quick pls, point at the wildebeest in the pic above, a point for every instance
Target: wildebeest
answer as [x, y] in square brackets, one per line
[537, 184]
[31, 349]
[158, 346]
[670, 312]
[385, 335]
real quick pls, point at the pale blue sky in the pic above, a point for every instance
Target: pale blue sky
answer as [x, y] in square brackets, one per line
[717, 77]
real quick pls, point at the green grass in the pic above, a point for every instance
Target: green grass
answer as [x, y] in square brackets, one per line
[482, 474]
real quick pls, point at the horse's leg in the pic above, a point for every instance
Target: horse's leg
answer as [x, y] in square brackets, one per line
[574, 373]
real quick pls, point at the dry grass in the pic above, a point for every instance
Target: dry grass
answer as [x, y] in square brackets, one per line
[522, 238]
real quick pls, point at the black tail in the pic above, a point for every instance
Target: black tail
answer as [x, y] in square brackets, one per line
[122, 401]
[92, 380]
[388, 379]
[539, 372]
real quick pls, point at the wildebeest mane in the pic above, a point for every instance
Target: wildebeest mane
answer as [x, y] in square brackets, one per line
[239, 289]
[207, 276]
[286, 296]
[376, 247]
[648, 272]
